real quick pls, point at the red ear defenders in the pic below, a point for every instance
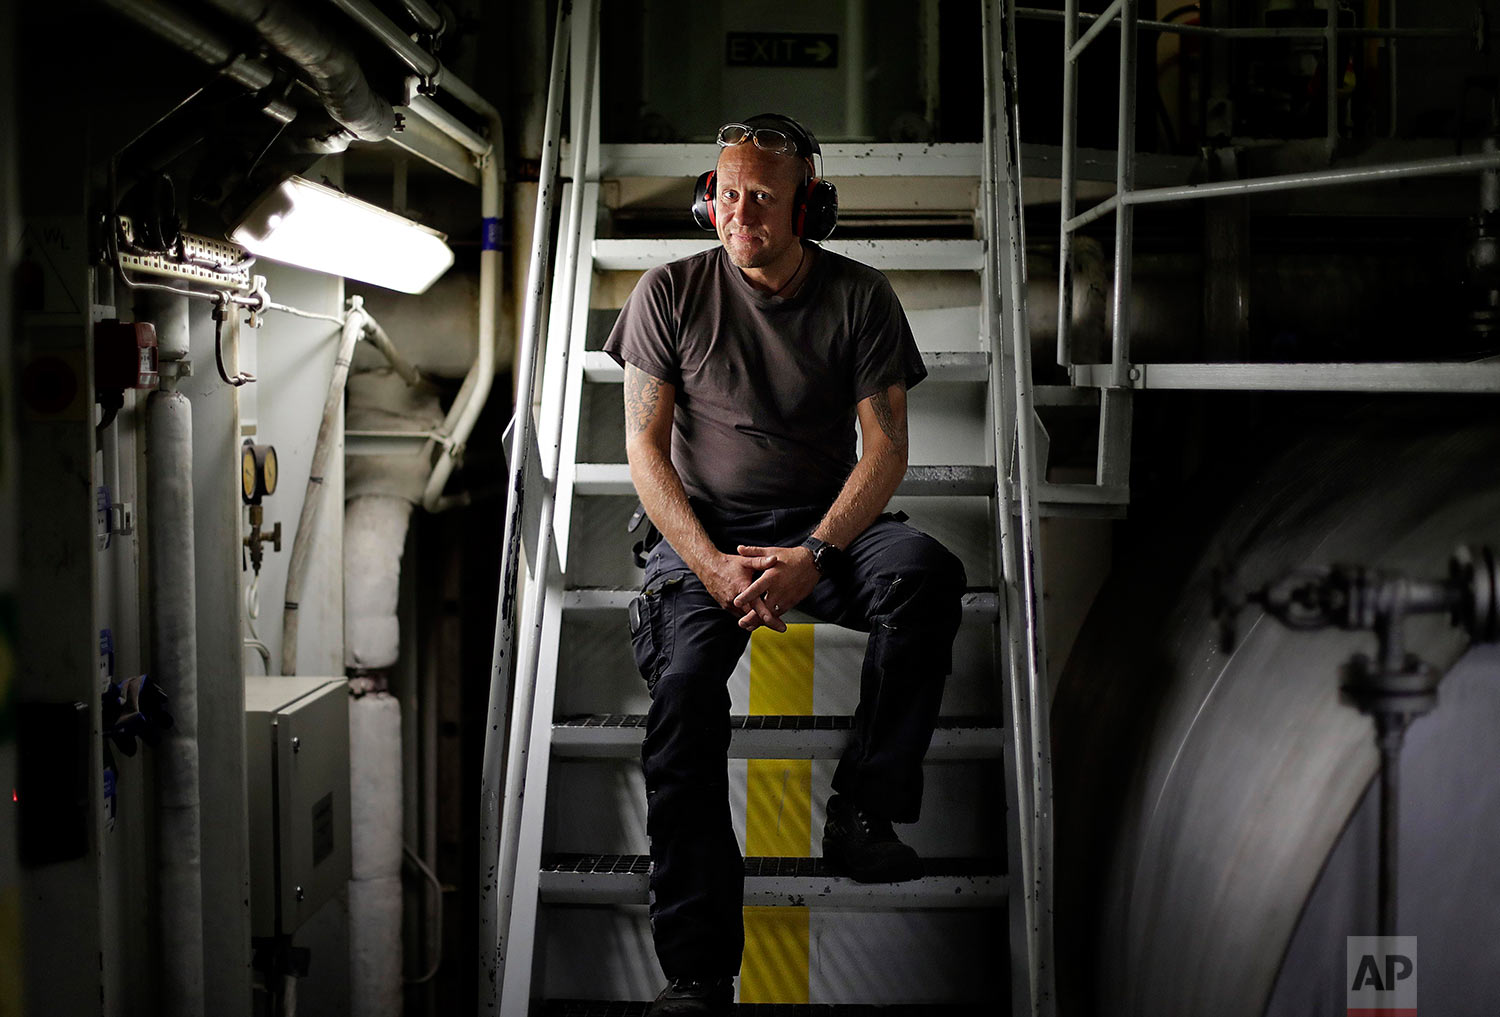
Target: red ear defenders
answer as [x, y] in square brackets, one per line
[817, 208]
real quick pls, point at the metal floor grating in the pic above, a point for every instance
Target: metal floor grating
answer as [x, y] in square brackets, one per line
[760, 867]
[762, 722]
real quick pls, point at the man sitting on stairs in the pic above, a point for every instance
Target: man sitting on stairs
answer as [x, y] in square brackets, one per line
[746, 368]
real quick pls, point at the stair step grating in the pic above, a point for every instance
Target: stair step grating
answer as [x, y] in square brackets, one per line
[618, 736]
[950, 883]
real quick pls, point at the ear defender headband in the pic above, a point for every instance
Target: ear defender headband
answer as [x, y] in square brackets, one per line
[816, 210]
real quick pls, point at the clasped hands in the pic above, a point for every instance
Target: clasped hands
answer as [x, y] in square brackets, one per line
[763, 583]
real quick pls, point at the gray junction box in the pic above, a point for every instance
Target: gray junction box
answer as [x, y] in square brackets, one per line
[297, 768]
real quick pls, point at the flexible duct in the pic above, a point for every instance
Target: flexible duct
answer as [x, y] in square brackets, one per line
[354, 325]
[174, 652]
[332, 68]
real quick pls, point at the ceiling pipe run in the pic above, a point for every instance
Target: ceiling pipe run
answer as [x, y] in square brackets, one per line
[209, 47]
[332, 67]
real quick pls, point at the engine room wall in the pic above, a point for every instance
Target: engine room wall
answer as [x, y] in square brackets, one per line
[292, 358]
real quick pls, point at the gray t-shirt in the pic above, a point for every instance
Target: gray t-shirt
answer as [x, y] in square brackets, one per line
[766, 387]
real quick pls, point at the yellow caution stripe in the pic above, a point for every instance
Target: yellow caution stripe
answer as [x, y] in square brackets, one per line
[778, 818]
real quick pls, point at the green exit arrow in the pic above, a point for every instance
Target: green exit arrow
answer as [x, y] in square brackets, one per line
[821, 52]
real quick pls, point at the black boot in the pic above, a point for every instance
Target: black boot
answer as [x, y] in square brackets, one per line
[710, 997]
[864, 846]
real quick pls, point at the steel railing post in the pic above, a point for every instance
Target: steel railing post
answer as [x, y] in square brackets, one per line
[494, 889]
[1124, 216]
[1068, 197]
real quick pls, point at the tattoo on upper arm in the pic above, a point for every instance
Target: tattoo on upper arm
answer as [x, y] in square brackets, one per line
[642, 399]
[894, 432]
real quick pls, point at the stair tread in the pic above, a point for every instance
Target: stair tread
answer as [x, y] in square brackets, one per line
[751, 722]
[946, 883]
[619, 735]
[763, 865]
[978, 604]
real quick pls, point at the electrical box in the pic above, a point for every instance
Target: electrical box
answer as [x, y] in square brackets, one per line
[297, 767]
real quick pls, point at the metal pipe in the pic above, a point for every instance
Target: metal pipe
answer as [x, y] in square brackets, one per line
[1225, 32]
[331, 66]
[449, 124]
[209, 47]
[1095, 30]
[1099, 211]
[1390, 733]
[370, 18]
[1067, 199]
[1124, 184]
[312, 498]
[427, 19]
[403, 367]
[1441, 166]
[174, 653]
[494, 896]
[474, 392]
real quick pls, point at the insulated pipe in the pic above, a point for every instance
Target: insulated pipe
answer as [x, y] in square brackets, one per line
[333, 68]
[476, 387]
[170, 315]
[174, 652]
[375, 899]
[354, 325]
[207, 46]
[494, 893]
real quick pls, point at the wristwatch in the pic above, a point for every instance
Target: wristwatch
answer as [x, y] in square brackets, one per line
[828, 558]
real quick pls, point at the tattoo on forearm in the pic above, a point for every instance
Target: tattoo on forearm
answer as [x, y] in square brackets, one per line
[895, 433]
[642, 397]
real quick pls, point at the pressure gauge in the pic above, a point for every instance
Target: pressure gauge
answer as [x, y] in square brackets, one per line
[257, 471]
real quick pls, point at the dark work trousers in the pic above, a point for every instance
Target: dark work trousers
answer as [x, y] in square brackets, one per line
[902, 587]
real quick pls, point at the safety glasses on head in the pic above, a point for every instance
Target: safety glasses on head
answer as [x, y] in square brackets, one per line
[767, 139]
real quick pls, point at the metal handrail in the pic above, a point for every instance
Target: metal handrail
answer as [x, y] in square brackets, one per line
[1126, 197]
[1441, 166]
[559, 331]
[1005, 266]
[495, 885]
[1247, 32]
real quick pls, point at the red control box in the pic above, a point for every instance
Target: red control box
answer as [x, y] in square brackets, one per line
[125, 355]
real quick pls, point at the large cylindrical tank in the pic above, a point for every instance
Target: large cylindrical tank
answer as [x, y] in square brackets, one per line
[1206, 858]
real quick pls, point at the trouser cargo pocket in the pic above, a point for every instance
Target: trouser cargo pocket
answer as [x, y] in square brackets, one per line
[651, 624]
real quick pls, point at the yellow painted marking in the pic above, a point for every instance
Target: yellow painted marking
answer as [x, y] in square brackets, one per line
[777, 938]
[778, 808]
[781, 671]
[778, 818]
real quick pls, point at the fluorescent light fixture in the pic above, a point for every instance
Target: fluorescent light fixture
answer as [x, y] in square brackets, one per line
[306, 224]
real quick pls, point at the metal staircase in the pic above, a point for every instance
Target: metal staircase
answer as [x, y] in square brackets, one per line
[563, 852]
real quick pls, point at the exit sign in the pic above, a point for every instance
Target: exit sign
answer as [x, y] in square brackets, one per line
[781, 49]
